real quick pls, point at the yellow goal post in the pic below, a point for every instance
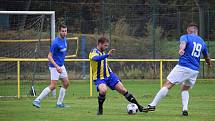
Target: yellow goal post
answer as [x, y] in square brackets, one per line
[20, 60]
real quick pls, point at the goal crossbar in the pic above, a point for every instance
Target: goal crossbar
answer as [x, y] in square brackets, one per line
[52, 13]
[28, 12]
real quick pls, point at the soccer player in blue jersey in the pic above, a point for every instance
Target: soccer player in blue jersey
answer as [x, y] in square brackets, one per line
[57, 69]
[187, 70]
[103, 75]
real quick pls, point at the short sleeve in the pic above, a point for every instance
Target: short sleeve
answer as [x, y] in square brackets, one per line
[93, 53]
[53, 47]
[183, 38]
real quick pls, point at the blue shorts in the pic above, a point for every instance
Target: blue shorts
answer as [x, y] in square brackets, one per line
[110, 81]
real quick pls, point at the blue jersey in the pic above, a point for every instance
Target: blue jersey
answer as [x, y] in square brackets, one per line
[58, 50]
[195, 45]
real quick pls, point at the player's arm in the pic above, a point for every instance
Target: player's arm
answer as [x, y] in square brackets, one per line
[182, 46]
[208, 61]
[183, 42]
[59, 70]
[99, 58]
[50, 57]
[207, 57]
[52, 60]
[96, 57]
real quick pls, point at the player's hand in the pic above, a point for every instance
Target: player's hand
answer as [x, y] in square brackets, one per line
[181, 52]
[110, 53]
[209, 66]
[59, 70]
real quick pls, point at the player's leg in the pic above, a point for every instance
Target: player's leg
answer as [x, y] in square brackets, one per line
[65, 85]
[44, 93]
[102, 89]
[54, 77]
[47, 90]
[54, 93]
[122, 90]
[161, 93]
[62, 92]
[175, 76]
[185, 99]
[184, 90]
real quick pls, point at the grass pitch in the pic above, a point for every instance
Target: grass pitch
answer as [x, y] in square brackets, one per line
[83, 107]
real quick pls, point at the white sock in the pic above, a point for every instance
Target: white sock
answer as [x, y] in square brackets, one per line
[162, 93]
[185, 99]
[61, 95]
[54, 93]
[43, 94]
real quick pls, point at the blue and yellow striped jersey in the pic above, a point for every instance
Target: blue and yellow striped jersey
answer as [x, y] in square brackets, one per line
[100, 69]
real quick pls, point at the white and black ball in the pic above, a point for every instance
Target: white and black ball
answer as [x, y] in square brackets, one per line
[132, 108]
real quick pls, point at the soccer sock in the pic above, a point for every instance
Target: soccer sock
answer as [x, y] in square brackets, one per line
[131, 99]
[54, 93]
[43, 94]
[101, 99]
[185, 99]
[61, 95]
[162, 93]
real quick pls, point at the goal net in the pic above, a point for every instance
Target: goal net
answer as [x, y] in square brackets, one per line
[27, 34]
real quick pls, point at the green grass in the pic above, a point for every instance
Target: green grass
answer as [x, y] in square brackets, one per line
[83, 107]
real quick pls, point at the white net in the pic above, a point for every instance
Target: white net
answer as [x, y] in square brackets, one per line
[23, 36]
[26, 36]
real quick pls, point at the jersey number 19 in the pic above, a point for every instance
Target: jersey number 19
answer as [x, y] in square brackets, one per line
[196, 49]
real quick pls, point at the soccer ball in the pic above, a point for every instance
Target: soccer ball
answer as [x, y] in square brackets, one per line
[132, 108]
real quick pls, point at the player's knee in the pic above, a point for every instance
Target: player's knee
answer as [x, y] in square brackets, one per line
[122, 90]
[66, 85]
[168, 84]
[52, 87]
[103, 90]
[184, 88]
[53, 84]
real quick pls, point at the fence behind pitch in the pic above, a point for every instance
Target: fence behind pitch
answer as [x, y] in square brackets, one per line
[18, 78]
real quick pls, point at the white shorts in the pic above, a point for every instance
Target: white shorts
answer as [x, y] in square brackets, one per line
[55, 75]
[184, 75]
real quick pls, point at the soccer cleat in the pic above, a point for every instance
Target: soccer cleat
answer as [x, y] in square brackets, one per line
[36, 104]
[185, 113]
[143, 109]
[151, 108]
[100, 111]
[60, 105]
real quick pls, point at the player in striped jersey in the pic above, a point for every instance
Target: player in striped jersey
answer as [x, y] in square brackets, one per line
[103, 75]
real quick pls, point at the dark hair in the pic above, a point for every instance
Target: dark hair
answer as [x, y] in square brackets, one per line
[102, 40]
[62, 26]
[193, 24]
